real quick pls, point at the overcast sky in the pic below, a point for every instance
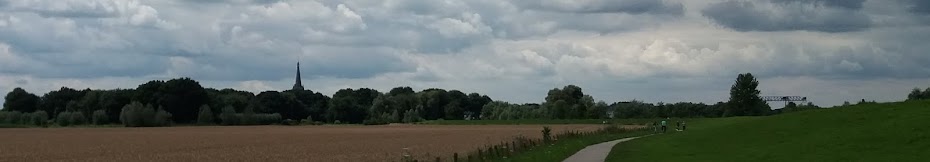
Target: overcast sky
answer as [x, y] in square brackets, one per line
[512, 50]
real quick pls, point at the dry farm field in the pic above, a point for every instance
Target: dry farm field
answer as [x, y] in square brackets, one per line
[257, 143]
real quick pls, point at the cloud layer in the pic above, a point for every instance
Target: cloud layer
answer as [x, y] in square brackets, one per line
[515, 50]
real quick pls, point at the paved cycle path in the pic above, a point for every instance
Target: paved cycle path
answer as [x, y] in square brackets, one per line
[596, 152]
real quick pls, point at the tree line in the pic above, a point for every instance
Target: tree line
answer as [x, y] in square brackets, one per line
[916, 94]
[185, 101]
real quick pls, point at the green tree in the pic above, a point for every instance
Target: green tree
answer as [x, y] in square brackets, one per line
[182, 99]
[20, 100]
[55, 102]
[926, 94]
[915, 94]
[351, 106]
[286, 104]
[162, 118]
[791, 105]
[744, 98]
[313, 104]
[567, 103]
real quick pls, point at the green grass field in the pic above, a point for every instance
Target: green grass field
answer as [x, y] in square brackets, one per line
[871, 132]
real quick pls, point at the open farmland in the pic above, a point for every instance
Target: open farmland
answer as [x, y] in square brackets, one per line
[256, 143]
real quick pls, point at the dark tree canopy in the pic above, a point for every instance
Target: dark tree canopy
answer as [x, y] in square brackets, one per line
[916, 94]
[314, 103]
[183, 98]
[744, 98]
[351, 106]
[568, 103]
[55, 102]
[20, 100]
[285, 104]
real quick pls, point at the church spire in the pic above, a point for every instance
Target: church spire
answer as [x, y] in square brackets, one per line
[297, 85]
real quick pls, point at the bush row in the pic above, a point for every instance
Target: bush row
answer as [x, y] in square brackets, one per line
[248, 117]
[38, 118]
[137, 115]
[69, 118]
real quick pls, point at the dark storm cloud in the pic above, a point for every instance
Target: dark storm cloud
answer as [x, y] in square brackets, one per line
[918, 6]
[755, 16]
[605, 6]
[850, 4]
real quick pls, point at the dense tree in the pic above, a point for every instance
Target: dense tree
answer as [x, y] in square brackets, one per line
[182, 99]
[744, 98]
[314, 103]
[433, 103]
[112, 101]
[285, 104]
[55, 102]
[20, 100]
[915, 94]
[475, 104]
[351, 106]
[219, 99]
[568, 103]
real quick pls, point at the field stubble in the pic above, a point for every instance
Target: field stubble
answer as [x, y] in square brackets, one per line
[258, 143]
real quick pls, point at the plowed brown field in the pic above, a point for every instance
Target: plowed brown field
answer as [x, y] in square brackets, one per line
[256, 143]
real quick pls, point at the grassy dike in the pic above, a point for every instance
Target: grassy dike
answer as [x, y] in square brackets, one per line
[868, 132]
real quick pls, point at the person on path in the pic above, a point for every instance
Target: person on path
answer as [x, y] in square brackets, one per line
[678, 126]
[664, 125]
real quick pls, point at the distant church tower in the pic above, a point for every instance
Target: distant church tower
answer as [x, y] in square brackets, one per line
[297, 85]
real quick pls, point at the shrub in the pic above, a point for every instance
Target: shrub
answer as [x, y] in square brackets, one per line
[308, 120]
[547, 134]
[25, 118]
[63, 119]
[228, 116]
[137, 115]
[290, 122]
[39, 118]
[162, 118]
[265, 119]
[100, 117]
[77, 118]
[131, 115]
[3, 116]
[11, 117]
[205, 116]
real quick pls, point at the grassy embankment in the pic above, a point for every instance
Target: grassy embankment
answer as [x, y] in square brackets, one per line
[868, 132]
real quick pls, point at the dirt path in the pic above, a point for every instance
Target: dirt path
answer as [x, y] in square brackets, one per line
[597, 152]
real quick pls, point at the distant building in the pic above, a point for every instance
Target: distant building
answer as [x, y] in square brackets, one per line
[297, 85]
